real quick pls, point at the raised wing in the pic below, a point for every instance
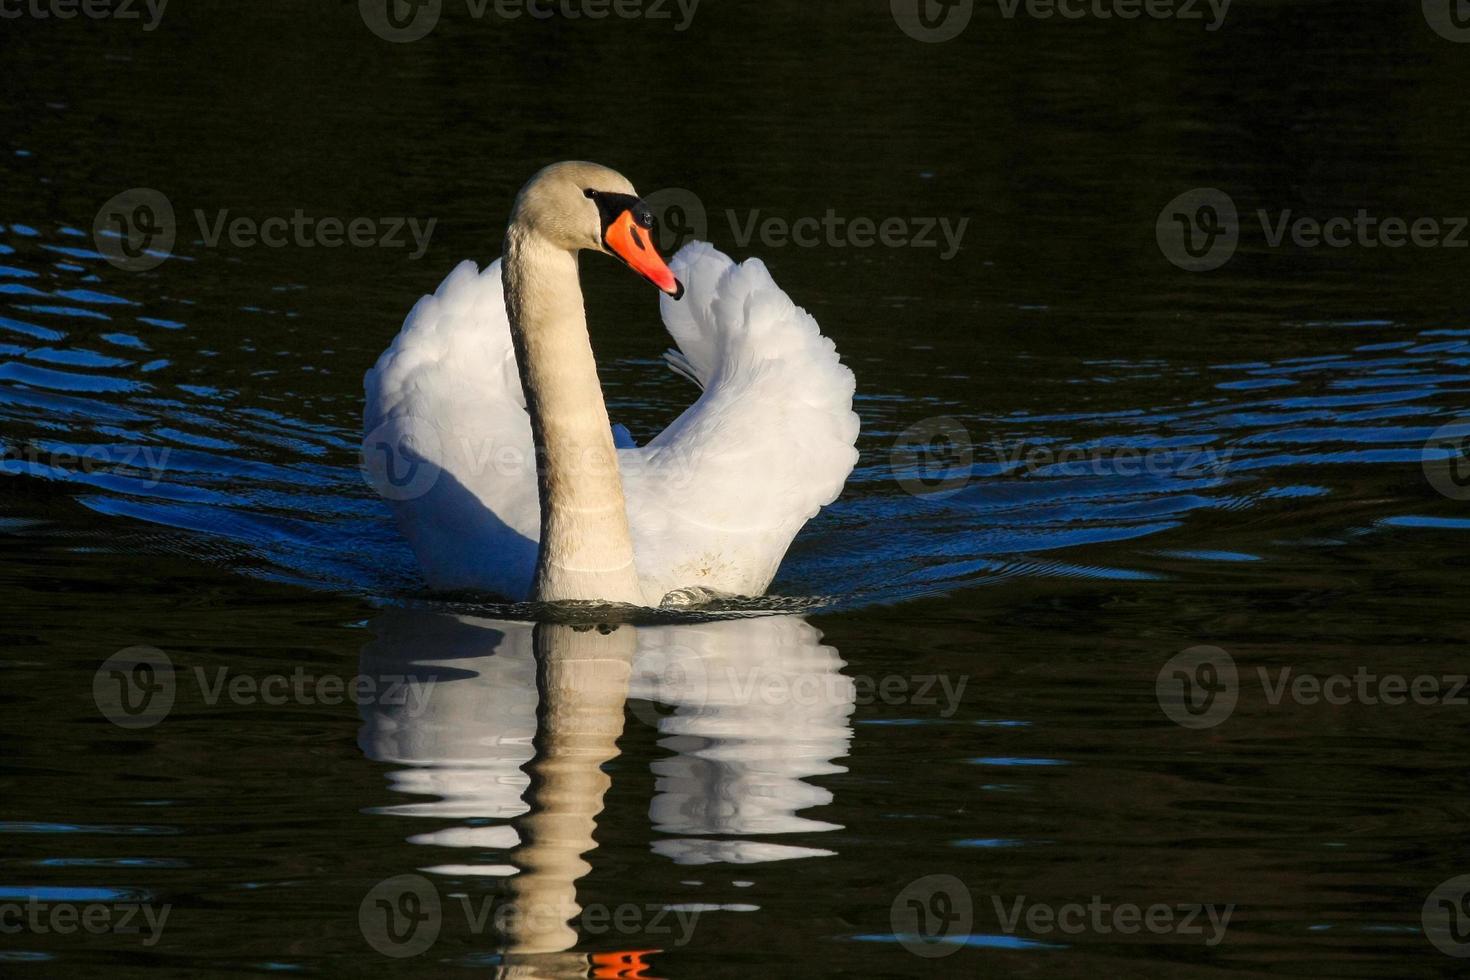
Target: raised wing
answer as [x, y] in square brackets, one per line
[716, 498]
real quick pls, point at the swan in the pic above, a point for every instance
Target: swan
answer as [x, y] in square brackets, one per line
[486, 430]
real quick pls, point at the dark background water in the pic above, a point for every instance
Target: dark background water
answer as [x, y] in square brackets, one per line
[1153, 460]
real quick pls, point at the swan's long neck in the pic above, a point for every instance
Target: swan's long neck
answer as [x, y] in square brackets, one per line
[586, 546]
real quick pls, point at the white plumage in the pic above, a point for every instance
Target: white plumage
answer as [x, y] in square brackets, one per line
[713, 501]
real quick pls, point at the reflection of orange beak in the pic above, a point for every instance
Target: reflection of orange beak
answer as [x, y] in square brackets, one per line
[633, 244]
[622, 966]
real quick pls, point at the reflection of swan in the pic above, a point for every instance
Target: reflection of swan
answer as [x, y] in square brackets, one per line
[759, 706]
[520, 720]
[493, 378]
[469, 743]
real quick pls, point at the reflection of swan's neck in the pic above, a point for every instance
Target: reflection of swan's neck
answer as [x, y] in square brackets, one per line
[586, 547]
[583, 676]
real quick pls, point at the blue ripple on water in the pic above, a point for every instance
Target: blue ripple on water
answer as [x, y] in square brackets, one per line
[92, 296]
[1433, 523]
[76, 357]
[73, 311]
[125, 340]
[66, 380]
[44, 893]
[979, 941]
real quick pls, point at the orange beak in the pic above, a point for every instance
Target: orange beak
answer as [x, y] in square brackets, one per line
[633, 243]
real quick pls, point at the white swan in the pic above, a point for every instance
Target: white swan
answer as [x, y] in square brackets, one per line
[486, 427]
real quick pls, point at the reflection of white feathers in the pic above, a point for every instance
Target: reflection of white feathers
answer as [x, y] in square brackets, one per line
[749, 708]
[685, 850]
[468, 744]
[759, 706]
[713, 501]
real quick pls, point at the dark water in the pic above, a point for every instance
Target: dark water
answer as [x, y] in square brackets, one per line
[1103, 461]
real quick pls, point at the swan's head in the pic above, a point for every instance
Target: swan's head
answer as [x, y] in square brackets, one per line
[577, 205]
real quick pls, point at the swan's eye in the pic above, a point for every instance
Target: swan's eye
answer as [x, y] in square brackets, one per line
[589, 192]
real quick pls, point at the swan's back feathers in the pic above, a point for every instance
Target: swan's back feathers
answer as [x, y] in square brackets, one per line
[463, 319]
[447, 391]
